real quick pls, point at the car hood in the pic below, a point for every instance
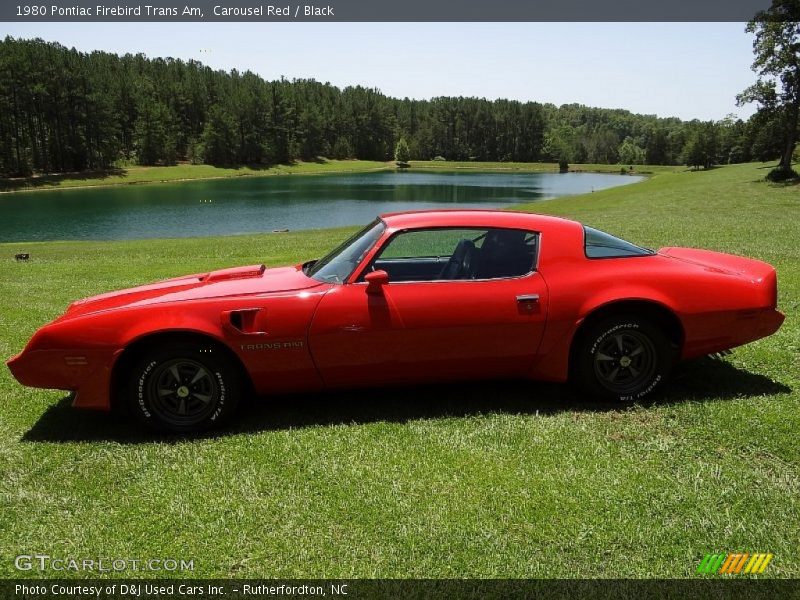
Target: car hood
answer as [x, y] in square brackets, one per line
[236, 281]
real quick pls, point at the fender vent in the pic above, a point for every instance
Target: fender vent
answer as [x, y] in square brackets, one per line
[244, 320]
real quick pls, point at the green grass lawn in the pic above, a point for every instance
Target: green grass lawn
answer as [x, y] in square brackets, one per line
[508, 480]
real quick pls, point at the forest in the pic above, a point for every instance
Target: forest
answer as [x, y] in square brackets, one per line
[62, 110]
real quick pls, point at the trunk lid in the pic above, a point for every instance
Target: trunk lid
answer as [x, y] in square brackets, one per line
[761, 274]
[752, 269]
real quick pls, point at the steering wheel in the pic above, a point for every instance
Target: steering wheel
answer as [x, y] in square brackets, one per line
[460, 262]
[467, 262]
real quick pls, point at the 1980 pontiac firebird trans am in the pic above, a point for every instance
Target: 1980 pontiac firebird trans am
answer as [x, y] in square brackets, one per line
[413, 297]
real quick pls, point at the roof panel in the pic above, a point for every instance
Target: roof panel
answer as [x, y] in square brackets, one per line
[476, 218]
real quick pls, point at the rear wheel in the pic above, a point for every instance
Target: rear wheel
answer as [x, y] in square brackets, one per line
[183, 387]
[622, 358]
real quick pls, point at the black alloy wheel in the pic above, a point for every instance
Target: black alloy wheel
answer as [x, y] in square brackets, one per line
[183, 388]
[622, 358]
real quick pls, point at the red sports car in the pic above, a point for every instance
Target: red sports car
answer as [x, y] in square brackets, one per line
[412, 297]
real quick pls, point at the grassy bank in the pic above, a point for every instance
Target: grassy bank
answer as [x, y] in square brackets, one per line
[541, 167]
[489, 480]
[184, 172]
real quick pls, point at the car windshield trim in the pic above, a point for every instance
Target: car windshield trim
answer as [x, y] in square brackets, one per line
[337, 266]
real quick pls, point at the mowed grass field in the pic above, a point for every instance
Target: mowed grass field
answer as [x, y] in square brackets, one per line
[499, 480]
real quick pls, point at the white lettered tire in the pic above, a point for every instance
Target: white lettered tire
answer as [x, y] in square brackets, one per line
[622, 358]
[183, 387]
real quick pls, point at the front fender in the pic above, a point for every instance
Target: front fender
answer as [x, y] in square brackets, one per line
[273, 348]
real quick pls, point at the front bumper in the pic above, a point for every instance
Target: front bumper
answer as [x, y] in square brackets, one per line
[87, 373]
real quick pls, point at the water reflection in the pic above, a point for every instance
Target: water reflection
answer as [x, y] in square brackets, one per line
[258, 204]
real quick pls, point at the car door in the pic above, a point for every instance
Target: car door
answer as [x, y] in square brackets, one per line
[427, 330]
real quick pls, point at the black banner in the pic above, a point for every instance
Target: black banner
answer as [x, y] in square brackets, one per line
[382, 10]
[633, 589]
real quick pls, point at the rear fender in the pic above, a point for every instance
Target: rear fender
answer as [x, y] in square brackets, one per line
[562, 326]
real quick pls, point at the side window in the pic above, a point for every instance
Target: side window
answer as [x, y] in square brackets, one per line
[457, 253]
[429, 243]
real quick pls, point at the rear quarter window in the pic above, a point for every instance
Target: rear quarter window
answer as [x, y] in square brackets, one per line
[599, 244]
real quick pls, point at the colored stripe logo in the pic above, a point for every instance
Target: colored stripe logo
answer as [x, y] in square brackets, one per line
[734, 564]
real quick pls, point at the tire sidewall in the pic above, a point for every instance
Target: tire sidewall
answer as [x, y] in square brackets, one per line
[220, 367]
[596, 335]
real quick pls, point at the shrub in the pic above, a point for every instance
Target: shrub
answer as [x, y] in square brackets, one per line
[401, 153]
[563, 166]
[342, 148]
[779, 174]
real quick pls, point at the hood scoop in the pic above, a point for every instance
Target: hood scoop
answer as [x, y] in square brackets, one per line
[235, 273]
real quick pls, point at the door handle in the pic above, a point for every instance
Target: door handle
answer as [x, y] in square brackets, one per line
[528, 298]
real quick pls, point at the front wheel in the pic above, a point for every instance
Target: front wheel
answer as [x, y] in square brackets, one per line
[622, 358]
[183, 388]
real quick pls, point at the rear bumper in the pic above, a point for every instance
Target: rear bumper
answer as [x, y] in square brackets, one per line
[722, 331]
[770, 321]
[87, 373]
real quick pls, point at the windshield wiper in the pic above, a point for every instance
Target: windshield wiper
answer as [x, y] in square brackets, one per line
[307, 265]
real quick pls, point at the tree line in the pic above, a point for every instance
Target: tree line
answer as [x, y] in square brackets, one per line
[62, 110]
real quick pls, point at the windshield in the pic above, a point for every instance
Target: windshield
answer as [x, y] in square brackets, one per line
[339, 264]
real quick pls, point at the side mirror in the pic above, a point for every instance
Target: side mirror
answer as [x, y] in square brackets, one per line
[375, 281]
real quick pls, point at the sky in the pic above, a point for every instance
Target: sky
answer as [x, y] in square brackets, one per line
[686, 70]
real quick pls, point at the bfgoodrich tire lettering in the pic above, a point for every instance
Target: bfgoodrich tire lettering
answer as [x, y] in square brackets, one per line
[183, 387]
[622, 358]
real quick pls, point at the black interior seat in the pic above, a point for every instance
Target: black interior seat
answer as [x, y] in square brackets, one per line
[505, 253]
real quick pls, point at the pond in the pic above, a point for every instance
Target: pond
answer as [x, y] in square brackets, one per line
[263, 204]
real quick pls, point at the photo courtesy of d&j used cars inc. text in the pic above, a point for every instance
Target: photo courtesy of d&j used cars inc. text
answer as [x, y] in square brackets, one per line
[421, 300]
